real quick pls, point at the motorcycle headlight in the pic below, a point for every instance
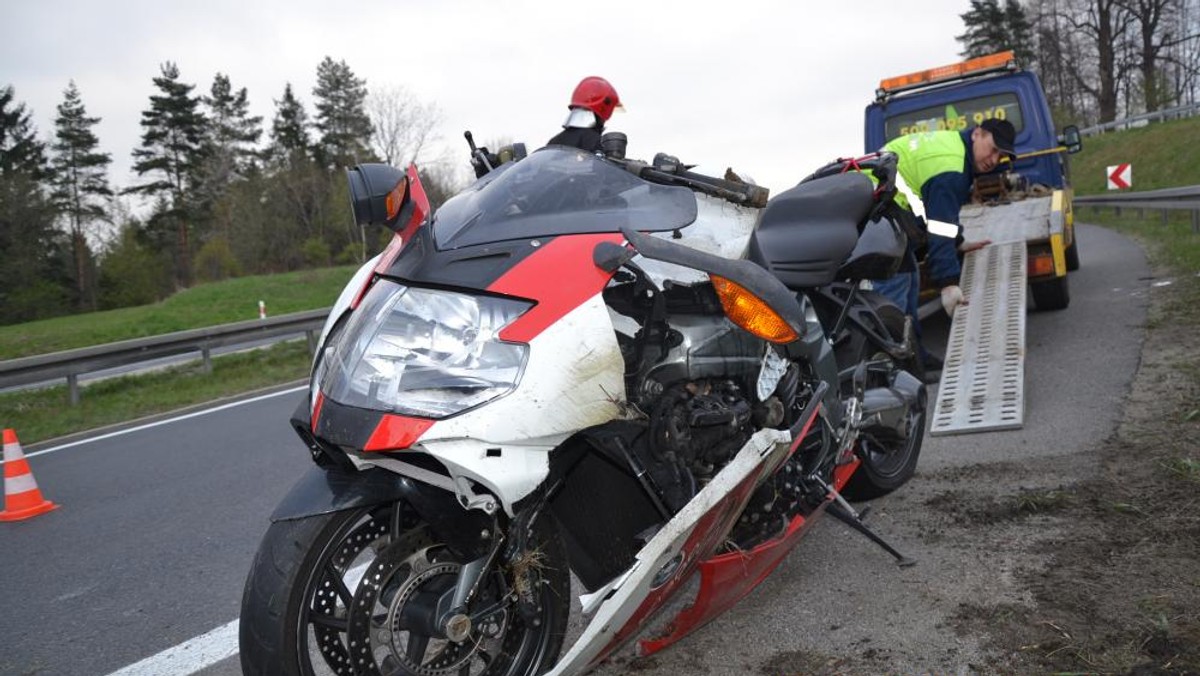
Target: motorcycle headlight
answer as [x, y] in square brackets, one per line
[423, 352]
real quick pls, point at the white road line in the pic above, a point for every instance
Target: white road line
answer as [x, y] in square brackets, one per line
[220, 643]
[147, 426]
[207, 649]
[189, 657]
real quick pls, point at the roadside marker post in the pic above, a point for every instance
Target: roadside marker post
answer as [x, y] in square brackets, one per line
[1119, 176]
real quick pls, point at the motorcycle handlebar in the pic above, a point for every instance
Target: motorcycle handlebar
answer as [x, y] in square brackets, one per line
[479, 156]
[739, 193]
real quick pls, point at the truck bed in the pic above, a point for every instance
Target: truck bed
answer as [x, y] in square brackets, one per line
[1031, 219]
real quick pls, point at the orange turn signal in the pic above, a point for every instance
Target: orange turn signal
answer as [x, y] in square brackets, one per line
[751, 313]
[1041, 265]
[395, 198]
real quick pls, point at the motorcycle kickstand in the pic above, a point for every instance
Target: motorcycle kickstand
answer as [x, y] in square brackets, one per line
[842, 511]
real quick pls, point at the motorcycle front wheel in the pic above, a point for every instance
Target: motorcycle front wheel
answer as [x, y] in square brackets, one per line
[357, 592]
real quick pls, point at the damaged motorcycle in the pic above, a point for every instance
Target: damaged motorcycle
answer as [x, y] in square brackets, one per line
[590, 371]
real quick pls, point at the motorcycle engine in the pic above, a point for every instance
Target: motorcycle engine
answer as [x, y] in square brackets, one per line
[700, 425]
[690, 374]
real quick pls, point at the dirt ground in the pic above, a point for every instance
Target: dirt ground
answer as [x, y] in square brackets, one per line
[1117, 588]
[1079, 563]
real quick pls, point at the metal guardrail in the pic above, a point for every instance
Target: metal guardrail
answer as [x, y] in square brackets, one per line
[1185, 198]
[71, 364]
[1156, 116]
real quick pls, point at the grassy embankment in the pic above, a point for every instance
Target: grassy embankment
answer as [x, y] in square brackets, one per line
[1164, 155]
[44, 414]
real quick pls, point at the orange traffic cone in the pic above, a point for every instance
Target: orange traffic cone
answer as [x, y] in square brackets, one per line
[22, 499]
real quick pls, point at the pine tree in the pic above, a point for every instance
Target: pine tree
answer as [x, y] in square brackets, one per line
[298, 183]
[20, 149]
[289, 129]
[230, 157]
[985, 28]
[233, 132]
[342, 120]
[1019, 33]
[172, 152]
[992, 28]
[80, 183]
[33, 279]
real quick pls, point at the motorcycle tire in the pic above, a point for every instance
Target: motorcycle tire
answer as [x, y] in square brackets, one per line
[310, 607]
[885, 464]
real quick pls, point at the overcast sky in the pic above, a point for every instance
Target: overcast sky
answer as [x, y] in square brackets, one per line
[772, 89]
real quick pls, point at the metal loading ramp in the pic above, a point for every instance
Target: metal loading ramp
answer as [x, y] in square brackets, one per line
[982, 385]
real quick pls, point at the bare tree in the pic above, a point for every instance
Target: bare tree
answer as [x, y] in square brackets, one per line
[1100, 30]
[1151, 16]
[403, 125]
[1102, 59]
[1057, 48]
[1181, 52]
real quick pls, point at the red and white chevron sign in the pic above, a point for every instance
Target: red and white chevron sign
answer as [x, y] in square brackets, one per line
[1120, 176]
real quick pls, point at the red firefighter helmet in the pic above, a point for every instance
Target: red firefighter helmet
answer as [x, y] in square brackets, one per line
[597, 95]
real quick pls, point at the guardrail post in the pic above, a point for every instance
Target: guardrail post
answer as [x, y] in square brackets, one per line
[73, 388]
[312, 341]
[1116, 211]
[206, 355]
[1164, 217]
[1196, 221]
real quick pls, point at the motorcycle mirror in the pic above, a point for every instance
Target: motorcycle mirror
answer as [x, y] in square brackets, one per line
[378, 195]
[613, 145]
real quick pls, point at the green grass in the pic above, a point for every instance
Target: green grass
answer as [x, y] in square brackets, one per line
[204, 305]
[1175, 244]
[1040, 501]
[1163, 155]
[1185, 468]
[37, 415]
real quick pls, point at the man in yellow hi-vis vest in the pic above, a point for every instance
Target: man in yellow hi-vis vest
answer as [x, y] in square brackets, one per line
[941, 166]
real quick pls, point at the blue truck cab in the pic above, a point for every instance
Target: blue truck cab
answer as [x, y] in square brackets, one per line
[959, 97]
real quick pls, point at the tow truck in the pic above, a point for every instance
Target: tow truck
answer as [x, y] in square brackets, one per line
[1023, 208]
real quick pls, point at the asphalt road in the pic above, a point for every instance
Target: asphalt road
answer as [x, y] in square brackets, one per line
[152, 541]
[157, 527]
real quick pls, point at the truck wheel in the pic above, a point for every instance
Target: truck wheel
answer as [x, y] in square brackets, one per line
[1052, 294]
[1072, 253]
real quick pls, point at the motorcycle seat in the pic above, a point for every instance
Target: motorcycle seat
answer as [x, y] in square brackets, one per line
[805, 234]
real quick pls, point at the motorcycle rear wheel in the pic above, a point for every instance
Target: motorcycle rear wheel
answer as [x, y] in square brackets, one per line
[887, 464]
[353, 592]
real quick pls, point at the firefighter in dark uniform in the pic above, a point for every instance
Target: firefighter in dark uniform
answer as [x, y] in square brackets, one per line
[592, 103]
